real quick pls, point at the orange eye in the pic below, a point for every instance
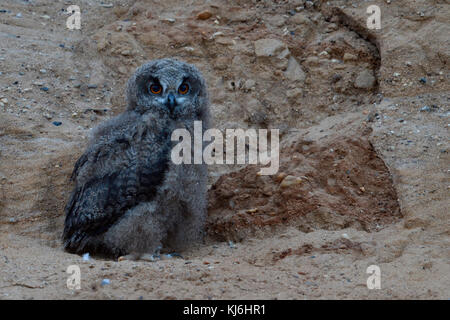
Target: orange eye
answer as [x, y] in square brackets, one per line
[155, 89]
[184, 88]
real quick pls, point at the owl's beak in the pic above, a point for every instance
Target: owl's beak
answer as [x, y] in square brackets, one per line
[171, 102]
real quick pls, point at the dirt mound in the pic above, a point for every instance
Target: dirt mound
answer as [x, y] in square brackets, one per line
[334, 183]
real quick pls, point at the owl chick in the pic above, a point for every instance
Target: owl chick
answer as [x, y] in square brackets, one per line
[129, 198]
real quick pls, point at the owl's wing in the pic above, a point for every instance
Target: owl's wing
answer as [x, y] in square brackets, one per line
[115, 178]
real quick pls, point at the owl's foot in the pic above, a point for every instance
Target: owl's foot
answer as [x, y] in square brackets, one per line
[150, 257]
[171, 256]
[136, 257]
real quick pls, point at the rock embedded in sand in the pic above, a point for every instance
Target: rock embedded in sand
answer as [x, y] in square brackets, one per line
[289, 181]
[274, 51]
[294, 71]
[349, 57]
[365, 80]
[204, 15]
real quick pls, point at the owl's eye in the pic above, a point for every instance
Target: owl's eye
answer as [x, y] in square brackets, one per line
[184, 88]
[155, 88]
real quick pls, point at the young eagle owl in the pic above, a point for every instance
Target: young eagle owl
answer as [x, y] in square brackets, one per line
[129, 197]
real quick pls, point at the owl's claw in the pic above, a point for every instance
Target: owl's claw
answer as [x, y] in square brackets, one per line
[144, 257]
[173, 255]
[150, 257]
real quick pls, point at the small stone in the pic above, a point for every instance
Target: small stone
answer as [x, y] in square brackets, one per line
[204, 15]
[273, 50]
[309, 4]
[92, 86]
[365, 80]
[289, 181]
[57, 123]
[294, 71]
[268, 47]
[335, 78]
[396, 74]
[294, 94]
[280, 177]
[105, 282]
[345, 236]
[168, 20]
[249, 85]
[125, 52]
[349, 57]
[43, 71]
[46, 89]
[423, 80]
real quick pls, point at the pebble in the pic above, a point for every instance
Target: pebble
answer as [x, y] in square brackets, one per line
[349, 57]
[43, 71]
[105, 282]
[345, 236]
[365, 80]
[45, 89]
[289, 181]
[423, 80]
[92, 86]
[294, 71]
[57, 123]
[273, 49]
[205, 15]
[168, 20]
[86, 257]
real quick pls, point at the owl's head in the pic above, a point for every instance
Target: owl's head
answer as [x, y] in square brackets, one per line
[169, 87]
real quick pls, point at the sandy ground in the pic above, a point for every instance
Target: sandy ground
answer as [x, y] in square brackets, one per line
[364, 120]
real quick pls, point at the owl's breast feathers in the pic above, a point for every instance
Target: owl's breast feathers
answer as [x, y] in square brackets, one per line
[125, 168]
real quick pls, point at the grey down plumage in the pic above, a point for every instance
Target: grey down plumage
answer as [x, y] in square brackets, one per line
[129, 197]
